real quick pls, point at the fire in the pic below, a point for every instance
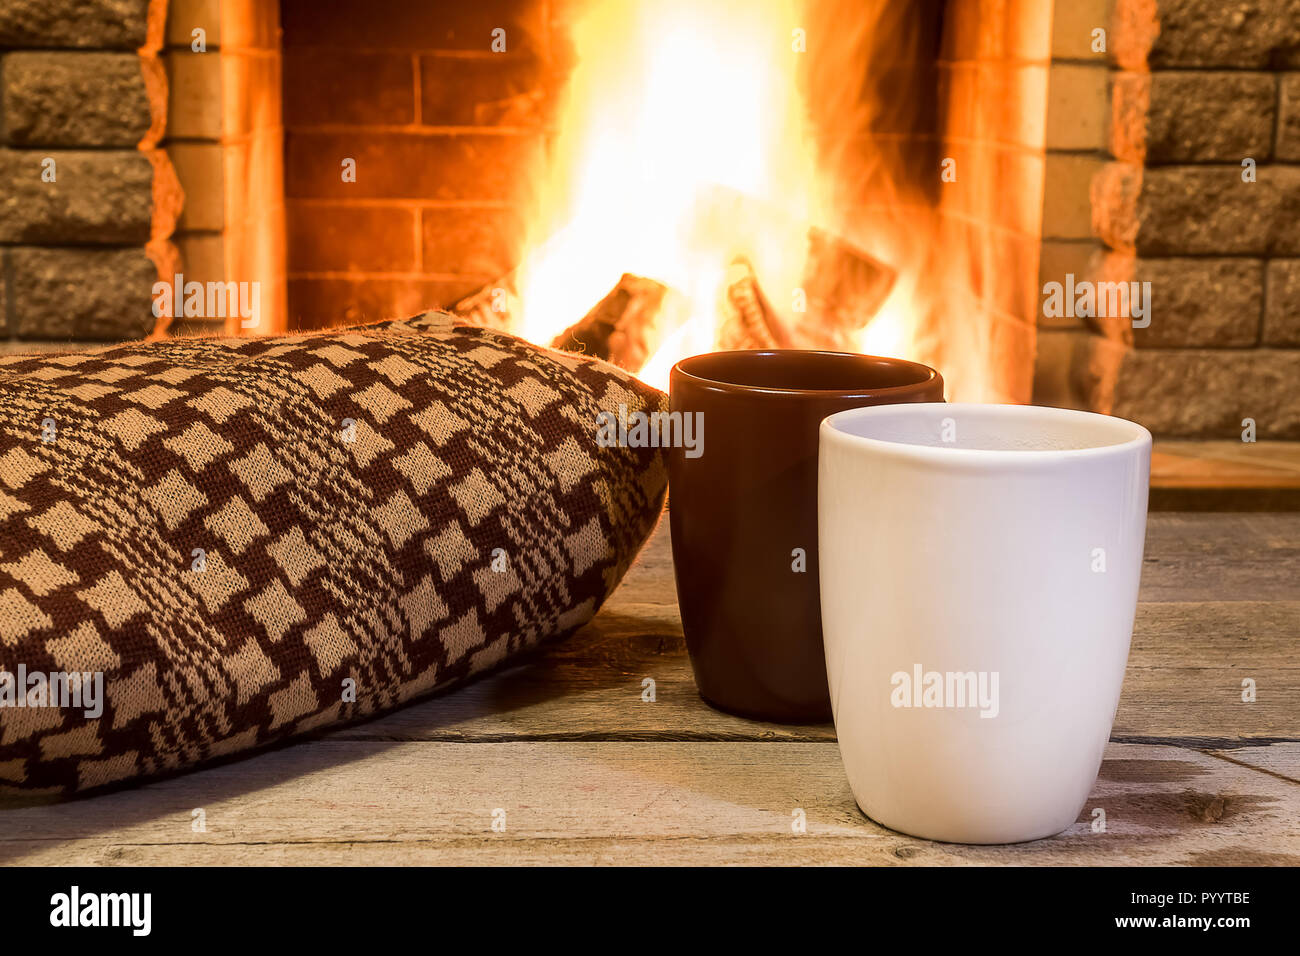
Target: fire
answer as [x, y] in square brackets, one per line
[674, 107]
[685, 144]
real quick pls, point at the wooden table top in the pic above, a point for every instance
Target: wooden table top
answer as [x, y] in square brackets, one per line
[573, 766]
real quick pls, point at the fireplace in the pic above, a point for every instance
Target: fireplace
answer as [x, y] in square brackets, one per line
[843, 175]
[978, 185]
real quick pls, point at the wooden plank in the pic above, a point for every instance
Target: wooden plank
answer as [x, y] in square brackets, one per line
[1184, 684]
[1184, 463]
[588, 771]
[589, 687]
[1221, 557]
[1227, 556]
[1280, 762]
[355, 802]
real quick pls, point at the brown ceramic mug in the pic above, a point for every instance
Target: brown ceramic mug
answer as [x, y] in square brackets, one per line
[743, 512]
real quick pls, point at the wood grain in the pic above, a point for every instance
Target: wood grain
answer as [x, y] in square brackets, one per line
[587, 771]
[358, 802]
[1221, 557]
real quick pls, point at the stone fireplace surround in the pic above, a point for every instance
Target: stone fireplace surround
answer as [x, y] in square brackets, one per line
[172, 159]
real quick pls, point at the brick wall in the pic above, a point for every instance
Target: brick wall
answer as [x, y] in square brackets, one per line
[994, 80]
[1196, 87]
[87, 201]
[225, 136]
[447, 137]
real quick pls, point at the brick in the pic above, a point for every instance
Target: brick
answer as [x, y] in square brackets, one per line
[1075, 368]
[996, 30]
[255, 24]
[470, 241]
[103, 197]
[1288, 125]
[1205, 393]
[1058, 258]
[1011, 344]
[1197, 210]
[252, 187]
[84, 24]
[1002, 271]
[1072, 26]
[991, 103]
[1076, 107]
[499, 91]
[199, 170]
[1067, 206]
[88, 294]
[1282, 311]
[1114, 193]
[183, 16]
[338, 238]
[1197, 302]
[168, 197]
[995, 185]
[1245, 34]
[412, 26]
[194, 96]
[322, 303]
[1192, 116]
[484, 167]
[337, 86]
[1011, 104]
[74, 99]
[202, 257]
[251, 94]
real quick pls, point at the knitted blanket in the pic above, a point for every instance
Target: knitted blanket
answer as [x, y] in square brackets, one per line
[207, 545]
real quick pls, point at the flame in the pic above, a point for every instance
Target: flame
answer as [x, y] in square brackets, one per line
[694, 132]
[672, 104]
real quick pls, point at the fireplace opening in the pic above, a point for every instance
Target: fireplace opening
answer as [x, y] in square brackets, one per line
[648, 180]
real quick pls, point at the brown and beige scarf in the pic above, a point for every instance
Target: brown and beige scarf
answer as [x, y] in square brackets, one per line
[242, 540]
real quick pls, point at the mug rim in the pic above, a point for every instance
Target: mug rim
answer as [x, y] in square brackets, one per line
[930, 378]
[1137, 438]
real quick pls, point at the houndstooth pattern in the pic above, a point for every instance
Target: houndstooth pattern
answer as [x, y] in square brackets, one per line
[324, 559]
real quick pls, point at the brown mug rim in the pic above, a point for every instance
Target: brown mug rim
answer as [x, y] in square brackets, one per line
[931, 377]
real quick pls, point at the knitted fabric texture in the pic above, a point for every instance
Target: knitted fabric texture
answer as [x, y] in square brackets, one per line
[249, 539]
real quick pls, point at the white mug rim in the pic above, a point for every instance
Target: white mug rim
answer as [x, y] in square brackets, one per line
[1137, 438]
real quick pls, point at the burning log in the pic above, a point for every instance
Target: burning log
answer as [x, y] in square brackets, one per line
[748, 319]
[844, 288]
[494, 306]
[624, 327]
[841, 288]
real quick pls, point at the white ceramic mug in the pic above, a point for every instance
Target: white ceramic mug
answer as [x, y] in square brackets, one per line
[979, 577]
